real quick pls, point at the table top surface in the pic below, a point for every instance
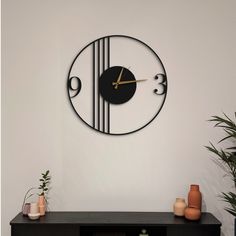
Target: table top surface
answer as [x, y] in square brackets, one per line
[115, 218]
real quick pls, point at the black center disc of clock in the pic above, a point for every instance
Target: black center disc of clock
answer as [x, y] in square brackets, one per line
[117, 85]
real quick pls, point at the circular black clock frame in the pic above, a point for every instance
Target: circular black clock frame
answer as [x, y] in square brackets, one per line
[116, 85]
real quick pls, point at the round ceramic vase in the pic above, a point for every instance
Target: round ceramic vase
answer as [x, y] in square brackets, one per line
[179, 207]
[192, 213]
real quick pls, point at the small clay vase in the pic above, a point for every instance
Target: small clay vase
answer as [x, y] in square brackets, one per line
[192, 213]
[194, 197]
[42, 205]
[26, 209]
[179, 207]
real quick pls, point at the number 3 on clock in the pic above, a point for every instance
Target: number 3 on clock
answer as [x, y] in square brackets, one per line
[162, 84]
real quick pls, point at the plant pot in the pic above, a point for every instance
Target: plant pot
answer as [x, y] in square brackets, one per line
[42, 210]
[42, 205]
[41, 200]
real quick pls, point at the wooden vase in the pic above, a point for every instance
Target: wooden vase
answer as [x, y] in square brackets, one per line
[194, 197]
[179, 207]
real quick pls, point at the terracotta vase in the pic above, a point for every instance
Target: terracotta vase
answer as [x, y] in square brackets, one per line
[194, 197]
[192, 213]
[42, 205]
[179, 207]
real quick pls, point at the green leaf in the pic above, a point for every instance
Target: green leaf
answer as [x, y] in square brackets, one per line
[226, 156]
[232, 212]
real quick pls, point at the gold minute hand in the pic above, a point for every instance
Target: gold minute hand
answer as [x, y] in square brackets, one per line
[128, 81]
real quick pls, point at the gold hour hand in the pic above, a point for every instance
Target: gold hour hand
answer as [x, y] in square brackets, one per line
[127, 82]
[119, 78]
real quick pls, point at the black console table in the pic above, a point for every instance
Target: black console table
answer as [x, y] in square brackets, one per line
[114, 224]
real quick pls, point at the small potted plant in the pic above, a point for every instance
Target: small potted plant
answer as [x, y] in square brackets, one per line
[43, 187]
[41, 192]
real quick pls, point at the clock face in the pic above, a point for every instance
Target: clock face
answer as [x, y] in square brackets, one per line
[117, 85]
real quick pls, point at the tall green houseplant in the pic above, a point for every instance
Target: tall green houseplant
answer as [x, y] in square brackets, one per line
[227, 156]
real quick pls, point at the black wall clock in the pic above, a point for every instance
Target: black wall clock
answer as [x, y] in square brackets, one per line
[117, 85]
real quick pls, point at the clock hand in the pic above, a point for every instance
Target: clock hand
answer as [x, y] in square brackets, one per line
[119, 78]
[128, 82]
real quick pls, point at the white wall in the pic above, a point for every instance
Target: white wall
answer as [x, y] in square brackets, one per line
[144, 171]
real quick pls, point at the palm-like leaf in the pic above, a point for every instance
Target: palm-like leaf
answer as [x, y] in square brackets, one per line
[226, 158]
[231, 199]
